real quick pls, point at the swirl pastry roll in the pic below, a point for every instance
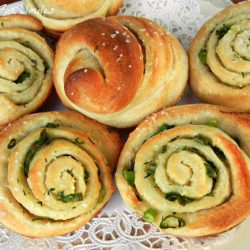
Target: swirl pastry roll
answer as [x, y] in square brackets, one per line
[55, 172]
[186, 170]
[220, 59]
[119, 69]
[58, 16]
[26, 63]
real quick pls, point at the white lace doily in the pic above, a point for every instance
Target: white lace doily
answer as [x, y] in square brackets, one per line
[116, 227]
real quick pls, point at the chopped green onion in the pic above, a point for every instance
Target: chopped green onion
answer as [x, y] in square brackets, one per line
[212, 123]
[79, 141]
[173, 196]
[164, 149]
[162, 128]
[222, 31]
[150, 169]
[172, 221]
[69, 197]
[51, 125]
[12, 143]
[150, 214]
[202, 140]
[211, 170]
[44, 139]
[130, 177]
[86, 175]
[22, 77]
[203, 56]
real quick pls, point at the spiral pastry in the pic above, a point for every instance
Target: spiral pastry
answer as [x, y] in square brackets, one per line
[60, 15]
[220, 59]
[119, 69]
[55, 172]
[186, 170]
[25, 67]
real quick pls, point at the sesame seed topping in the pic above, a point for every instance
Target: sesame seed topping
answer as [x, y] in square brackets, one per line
[103, 34]
[85, 70]
[72, 93]
[127, 40]
[117, 32]
[118, 59]
[104, 44]
[130, 66]
[121, 55]
[113, 36]
[116, 47]
[119, 88]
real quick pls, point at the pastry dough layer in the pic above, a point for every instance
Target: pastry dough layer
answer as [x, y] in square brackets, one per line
[55, 172]
[219, 59]
[191, 166]
[58, 16]
[26, 63]
[119, 69]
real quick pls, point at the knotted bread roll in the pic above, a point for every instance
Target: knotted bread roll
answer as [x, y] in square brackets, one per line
[220, 59]
[186, 170]
[119, 69]
[55, 172]
[60, 15]
[26, 63]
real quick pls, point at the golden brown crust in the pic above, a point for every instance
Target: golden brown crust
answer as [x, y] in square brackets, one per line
[32, 206]
[122, 90]
[59, 16]
[26, 63]
[189, 143]
[224, 79]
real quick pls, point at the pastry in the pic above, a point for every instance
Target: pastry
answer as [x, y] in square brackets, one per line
[117, 70]
[186, 170]
[60, 15]
[26, 63]
[219, 59]
[55, 172]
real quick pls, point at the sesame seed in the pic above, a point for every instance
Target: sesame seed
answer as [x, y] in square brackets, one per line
[104, 44]
[117, 32]
[115, 48]
[118, 59]
[130, 66]
[72, 93]
[103, 34]
[113, 36]
[127, 41]
[119, 88]
[147, 34]
[85, 70]
[121, 55]
[124, 33]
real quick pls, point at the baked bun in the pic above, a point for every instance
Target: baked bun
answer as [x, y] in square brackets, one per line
[220, 59]
[55, 172]
[26, 63]
[119, 69]
[186, 170]
[60, 15]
